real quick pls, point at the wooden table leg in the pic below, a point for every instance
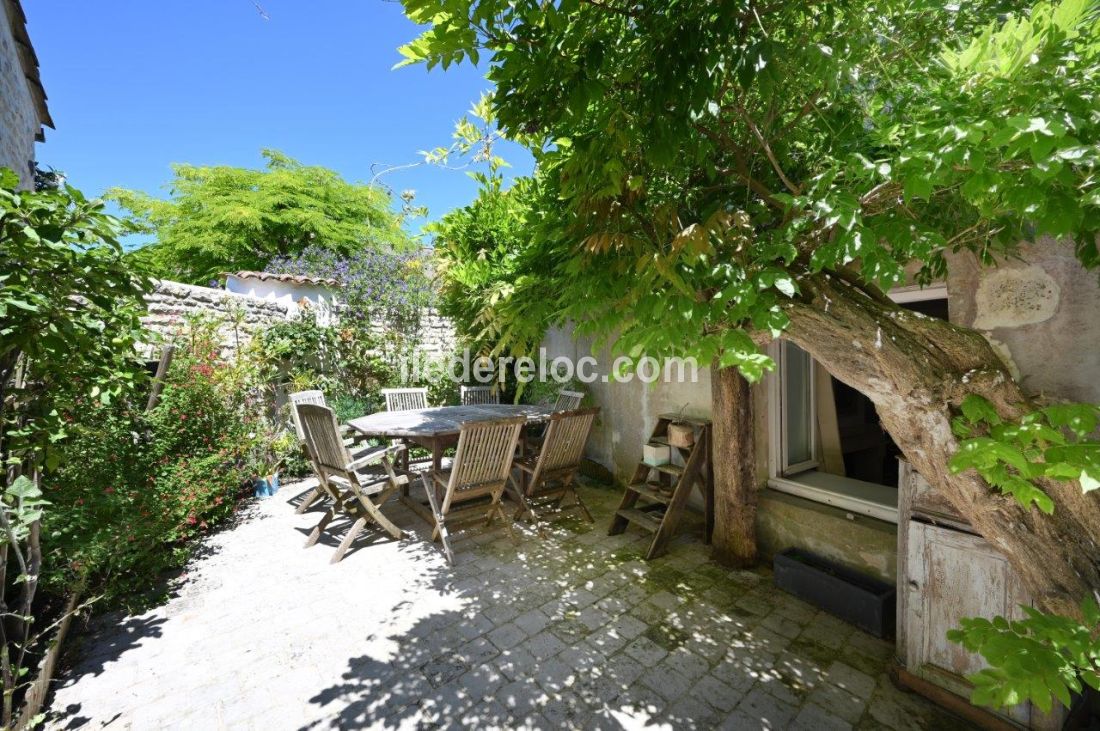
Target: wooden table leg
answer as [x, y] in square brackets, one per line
[405, 468]
[422, 509]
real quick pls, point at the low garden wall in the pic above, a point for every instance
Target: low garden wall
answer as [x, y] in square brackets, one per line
[171, 303]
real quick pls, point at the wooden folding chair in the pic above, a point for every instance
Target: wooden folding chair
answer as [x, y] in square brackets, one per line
[354, 493]
[568, 400]
[350, 439]
[551, 473]
[472, 395]
[405, 399]
[482, 467]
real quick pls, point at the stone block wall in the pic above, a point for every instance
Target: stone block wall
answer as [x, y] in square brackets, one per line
[437, 335]
[170, 303]
[18, 115]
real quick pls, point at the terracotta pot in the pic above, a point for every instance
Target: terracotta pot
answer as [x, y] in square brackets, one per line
[681, 435]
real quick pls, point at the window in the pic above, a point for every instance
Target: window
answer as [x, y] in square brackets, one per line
[797, 398]
[827, 443]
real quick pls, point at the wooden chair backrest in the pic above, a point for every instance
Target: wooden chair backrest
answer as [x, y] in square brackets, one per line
[478, 395]
[405, 399]
[304, 397]
[483, 458]
[563, 446]
[568, 400]
[322, 435]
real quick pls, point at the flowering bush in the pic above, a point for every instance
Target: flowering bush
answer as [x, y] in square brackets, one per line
[136, 488]
[383, 284]
[383, 293]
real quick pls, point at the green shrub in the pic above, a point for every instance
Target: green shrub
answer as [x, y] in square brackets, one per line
[135, 489]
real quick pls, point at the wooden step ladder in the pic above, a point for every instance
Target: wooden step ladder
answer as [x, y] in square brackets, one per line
[656, 496]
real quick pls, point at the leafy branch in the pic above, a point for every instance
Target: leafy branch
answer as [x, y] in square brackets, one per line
[1040, 657]
[1014, 456]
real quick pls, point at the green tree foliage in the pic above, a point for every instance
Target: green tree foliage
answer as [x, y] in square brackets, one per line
[70, 309]
[1042, 656]
[480, 252]
[1037, 659]
[701, 162]
[227, 219]
[1054, 442]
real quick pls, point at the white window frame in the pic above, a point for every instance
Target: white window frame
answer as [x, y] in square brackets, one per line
[785, 466]
[850, 495]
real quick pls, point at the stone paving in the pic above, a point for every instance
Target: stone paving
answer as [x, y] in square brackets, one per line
[573, 631]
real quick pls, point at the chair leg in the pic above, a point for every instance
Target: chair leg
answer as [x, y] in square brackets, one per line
[516, 494]
[569, 485]
[497, 508]
[310, 499]
[384, 522]
[440, 529]
[315, 534]
[369, 511]
[526, 508]
[581, 505]
[345, 544]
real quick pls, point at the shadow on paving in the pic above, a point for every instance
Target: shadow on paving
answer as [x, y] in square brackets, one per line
[127, 634]
[577, 631]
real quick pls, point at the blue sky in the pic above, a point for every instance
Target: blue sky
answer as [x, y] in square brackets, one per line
[135, 85]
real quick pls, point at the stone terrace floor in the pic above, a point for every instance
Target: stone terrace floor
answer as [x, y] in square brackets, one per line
[573, 631]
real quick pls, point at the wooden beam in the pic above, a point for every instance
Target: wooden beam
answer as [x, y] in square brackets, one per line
[947, 700]
[158, 379]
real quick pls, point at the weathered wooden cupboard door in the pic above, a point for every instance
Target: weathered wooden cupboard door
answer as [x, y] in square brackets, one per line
[948, 573]
[954, 575]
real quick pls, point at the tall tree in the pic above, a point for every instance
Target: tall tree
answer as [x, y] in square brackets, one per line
[225, 218]
[742, 170]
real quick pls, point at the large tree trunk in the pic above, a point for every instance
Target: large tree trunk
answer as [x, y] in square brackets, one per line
[917, 370]
[734, 465]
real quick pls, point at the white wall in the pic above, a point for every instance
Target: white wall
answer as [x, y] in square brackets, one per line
[290, 294]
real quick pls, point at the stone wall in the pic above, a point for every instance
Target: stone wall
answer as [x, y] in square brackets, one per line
[172, 302]
[437, 335]
[18, 115]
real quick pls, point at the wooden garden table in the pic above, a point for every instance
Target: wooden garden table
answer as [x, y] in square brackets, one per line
[437, 428]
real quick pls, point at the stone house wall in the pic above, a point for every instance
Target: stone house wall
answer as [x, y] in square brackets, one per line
[19, 121]
[1039, 312]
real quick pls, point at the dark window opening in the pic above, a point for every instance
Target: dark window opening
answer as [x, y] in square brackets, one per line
[868, 452]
